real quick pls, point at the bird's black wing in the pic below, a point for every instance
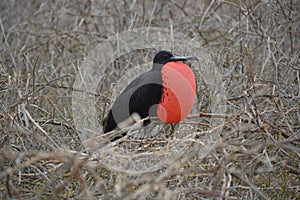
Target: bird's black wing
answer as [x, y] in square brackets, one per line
[138, 97]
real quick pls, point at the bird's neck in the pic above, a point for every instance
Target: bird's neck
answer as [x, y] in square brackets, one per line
[157, 67]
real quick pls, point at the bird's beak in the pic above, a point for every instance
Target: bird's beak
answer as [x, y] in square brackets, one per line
[183, 58]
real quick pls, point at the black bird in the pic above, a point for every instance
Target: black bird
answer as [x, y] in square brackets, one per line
[166, 91]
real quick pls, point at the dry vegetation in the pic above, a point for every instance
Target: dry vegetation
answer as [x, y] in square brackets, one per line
[254, 44]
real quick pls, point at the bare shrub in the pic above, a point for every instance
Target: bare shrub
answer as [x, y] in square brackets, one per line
[254, 44]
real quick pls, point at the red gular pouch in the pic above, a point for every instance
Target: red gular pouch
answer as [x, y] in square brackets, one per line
[179, 91]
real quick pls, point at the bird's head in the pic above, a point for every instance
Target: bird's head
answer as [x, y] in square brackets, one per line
[163, 57]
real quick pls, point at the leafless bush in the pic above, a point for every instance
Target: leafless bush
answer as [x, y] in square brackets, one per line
[254, 44]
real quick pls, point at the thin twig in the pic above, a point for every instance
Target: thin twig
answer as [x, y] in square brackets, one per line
[41, 129]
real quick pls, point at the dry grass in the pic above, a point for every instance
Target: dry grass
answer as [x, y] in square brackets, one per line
[254, 45]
